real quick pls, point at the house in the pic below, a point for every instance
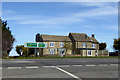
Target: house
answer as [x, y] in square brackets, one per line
[55, 44]
[74, 43]
[84, 45]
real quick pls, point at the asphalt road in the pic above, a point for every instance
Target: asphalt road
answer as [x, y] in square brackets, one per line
[75, 69]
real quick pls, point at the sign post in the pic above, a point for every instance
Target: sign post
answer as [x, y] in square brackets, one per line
[37, 46]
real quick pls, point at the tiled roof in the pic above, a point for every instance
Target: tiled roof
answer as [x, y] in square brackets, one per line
[93, 39]
[55, 38]
[76, 36]
[82, 37]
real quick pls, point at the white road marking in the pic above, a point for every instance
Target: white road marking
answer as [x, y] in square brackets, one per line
[84, 61]
[113, 64]
[22, 61]
[63, 65]
[48, 66]
[32, 67]
[0, 67]
[14, 68]
[77, 65]
[72, 75]
[103, 65]
[90, 65]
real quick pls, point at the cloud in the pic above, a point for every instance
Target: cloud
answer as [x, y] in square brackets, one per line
[18, 17]
[52, 20]
[103, 27]
[60, 0]
[98, 12]
[111, 28]
[88, 4]
[76, 17]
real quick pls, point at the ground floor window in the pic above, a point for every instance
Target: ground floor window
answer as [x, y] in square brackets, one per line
[51, 52]
[89, 53]
[61, 52]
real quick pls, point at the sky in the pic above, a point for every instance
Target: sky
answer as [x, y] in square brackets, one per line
[26, 19]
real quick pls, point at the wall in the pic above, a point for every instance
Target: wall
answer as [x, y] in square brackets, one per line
[89, 45]
[103, 53]
[92, 52]
[46, 51]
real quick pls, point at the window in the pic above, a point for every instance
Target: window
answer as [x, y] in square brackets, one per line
[61, 52]
[51, 52]
[61, 44]
[93, 45]
[84, 45]
[89, 53]
[51, 44]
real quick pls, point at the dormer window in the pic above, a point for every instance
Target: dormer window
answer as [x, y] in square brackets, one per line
[91, 40]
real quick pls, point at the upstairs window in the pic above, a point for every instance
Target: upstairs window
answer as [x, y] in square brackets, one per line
[93, 45]
[61, 44]
[51, 44]
[84, 45]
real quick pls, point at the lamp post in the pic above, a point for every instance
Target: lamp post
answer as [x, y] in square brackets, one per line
[86, 44]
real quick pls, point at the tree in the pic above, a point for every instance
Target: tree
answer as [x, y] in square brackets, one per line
[20, 49]
[7, 39]
[23, 49]
[102, 46]
[116, 44]
[68, 45]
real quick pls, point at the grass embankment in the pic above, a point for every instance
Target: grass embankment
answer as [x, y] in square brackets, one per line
[61, 57]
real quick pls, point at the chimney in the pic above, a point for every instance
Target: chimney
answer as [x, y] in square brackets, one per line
[93, 35]
[38, 37]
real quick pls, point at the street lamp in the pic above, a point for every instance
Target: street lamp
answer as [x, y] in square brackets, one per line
[86, 44]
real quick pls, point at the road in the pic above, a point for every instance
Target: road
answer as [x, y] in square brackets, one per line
[75, 69]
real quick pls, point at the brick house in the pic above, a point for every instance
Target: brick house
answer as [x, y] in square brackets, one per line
[74, 43]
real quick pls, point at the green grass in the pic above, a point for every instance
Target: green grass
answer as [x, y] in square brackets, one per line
[60, 57]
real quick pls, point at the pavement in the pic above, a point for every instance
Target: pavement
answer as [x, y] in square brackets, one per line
[70, 69]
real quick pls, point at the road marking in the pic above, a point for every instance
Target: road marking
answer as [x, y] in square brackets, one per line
[113, 64]
[63, 65]
[84, 61]
[103, 65]
[0, 67]
[90, 65]
[77, 65]
[14, 68]
[32, 67]
[22, 61]
[48, 66]
[72, 75]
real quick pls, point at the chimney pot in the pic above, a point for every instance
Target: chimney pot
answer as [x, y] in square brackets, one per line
[93, 35]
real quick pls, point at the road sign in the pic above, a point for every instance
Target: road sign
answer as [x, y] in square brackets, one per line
[42, 45]
[35, 45]
[31, 44]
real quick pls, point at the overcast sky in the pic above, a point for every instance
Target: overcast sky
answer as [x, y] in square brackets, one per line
[26, 19]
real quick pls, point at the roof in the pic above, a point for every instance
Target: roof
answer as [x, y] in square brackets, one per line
[82, 37]
[55, 38]
[93, 39]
